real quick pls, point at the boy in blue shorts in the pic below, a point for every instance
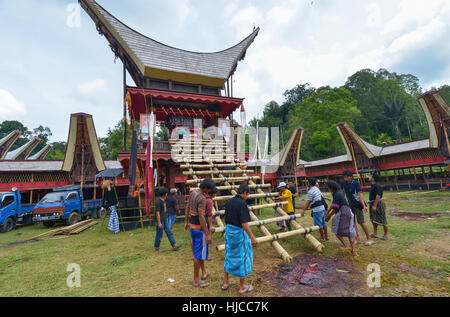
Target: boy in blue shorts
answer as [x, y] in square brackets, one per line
[316, 202]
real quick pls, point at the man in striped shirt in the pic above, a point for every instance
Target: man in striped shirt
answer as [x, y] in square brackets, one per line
[315, 201]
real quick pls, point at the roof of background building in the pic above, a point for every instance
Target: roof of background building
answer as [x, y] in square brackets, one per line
[157, 60]
[42, 166]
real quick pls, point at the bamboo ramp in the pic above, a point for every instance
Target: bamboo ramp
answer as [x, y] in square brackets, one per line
[219, 171]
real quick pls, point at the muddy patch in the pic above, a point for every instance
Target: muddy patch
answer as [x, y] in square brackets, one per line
[318, 276]
[418, 216]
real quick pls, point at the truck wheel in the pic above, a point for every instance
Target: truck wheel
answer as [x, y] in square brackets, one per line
[49, 224]
[8, 225]
[101, 213]
[73, 219]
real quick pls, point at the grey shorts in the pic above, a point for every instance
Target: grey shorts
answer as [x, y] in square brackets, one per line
[359, 215]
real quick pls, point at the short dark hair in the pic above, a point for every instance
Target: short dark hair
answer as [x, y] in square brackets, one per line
[207, 183]
[333, 185]
[312, 181]
[244, 188]
[162, 191]
[348, 173]
[376, 176]
[214, 190]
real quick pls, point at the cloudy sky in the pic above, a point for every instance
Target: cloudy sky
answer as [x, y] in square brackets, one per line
[49, 70]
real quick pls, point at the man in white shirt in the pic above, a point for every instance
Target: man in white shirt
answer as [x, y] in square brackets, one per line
[316, 202]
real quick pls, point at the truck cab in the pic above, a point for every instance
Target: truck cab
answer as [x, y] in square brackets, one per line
[65, 204]
[12, 211]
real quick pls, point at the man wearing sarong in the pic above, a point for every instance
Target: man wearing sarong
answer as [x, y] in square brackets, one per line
[239, 240]
[352, 189]
[377, 207]
[200, 234]
[344, 219]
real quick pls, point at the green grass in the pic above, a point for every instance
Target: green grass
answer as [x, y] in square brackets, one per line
[126, 265]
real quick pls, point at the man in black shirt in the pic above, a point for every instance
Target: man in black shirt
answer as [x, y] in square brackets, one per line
[377, 207]
[162, 221]
[172, 206]
[293, 189]
[239, 240]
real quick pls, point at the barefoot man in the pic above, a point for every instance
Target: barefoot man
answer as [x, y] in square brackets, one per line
[239, 240]
[200, 235]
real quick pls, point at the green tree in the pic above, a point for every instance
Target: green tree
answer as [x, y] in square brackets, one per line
[394, 99]
[57, 152]
[44, 133]
[445, 92]
[388, 103]
[6, 127]
[321, 137]
[111, 145]
[384, 139]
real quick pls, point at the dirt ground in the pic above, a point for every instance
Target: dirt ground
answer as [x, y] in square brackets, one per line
[415, 261]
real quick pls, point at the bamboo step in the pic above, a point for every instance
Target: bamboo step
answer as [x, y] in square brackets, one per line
[218, 172]
[279, 236]
[255, 207]
[266, 221]
[222, 198]
[234, 187]
[224, 179]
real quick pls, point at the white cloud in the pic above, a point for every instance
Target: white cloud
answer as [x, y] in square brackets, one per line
[413, 13]
[419, 37]
[374, 16]
[10, 107]
[93, 87]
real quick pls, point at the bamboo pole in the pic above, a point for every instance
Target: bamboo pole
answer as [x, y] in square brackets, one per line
[186, 166]
[267, 221]
[316, 244]
[256, 207]
[231, 187]
[225, 179]
[216, 173]
[278, 236]
[222, 198]
[278, 248]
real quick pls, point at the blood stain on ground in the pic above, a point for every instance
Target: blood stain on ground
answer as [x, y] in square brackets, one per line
[317, 276]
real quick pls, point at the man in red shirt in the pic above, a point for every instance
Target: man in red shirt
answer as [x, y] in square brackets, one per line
[200, 235]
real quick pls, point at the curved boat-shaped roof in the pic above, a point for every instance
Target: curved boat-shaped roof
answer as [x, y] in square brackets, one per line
[24, 151]
[7, 142]
[160, 61]
[42, 154]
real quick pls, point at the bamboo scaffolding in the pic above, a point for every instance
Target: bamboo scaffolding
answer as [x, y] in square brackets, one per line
[256, 207]
[195, 141]
[266, 221]
[278, 236]
[225, 179]
[216, 173]
[316, 244]
[231, 187]
[278, 248]
[186, 166]
[222, 198]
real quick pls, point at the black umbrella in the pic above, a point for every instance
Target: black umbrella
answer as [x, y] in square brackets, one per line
[110, 173]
